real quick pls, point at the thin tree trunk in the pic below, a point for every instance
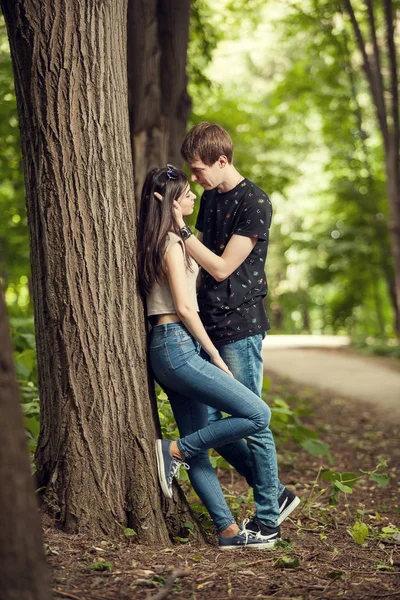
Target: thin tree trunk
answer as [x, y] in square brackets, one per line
[23, 573]
[393, 187]
[388, 119]
[95, 452]
[159, 104]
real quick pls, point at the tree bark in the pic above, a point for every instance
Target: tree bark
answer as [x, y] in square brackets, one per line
[95, 452]
[159, 104]
[23, 573]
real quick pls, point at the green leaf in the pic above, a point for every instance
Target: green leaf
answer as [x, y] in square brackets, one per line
[100, 566]
[317, 448]
[349, 478]
[287, 562]
[381, 479]
[343, 488]
[26, 358]
[32, 425]
[359, 532]
[128, 532]
[328, 475]
[22, 371]
[382, 465]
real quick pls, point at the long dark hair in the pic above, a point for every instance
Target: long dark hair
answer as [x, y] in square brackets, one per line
[156, 219]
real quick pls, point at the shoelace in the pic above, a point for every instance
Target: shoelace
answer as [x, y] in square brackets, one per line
[176, 465]
[245, 522]
[246, 533]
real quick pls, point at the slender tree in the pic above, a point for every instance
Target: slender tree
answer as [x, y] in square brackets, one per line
[95, 452]
[23, 573]
[378, 50]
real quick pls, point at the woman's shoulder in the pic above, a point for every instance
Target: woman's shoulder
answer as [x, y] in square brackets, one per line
[172, 238]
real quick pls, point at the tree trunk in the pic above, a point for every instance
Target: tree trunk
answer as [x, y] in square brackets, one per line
[159, 104]
[393, 187]
[95, 452]
[23, 573]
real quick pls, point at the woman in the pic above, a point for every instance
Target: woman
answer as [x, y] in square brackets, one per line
[167, 278]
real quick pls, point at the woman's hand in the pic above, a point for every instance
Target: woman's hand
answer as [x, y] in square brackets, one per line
[178, 214]
[218, 362]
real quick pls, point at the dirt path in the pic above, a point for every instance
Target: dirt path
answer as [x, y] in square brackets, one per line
[338, 371]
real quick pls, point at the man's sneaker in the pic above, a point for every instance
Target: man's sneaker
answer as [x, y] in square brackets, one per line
[287, 503]
[248, 539]
[168, 466]
[262, 532]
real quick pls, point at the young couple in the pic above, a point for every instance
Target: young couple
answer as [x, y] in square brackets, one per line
[212, 363]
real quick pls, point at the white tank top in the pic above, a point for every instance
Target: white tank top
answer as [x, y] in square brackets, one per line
[160, 301]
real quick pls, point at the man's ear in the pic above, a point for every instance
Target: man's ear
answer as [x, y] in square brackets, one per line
[222, 161]
[158, 196]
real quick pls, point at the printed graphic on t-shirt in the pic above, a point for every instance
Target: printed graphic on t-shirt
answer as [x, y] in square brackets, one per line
[234, 308]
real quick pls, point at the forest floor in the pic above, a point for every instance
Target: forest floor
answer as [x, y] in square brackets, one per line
[319, 559]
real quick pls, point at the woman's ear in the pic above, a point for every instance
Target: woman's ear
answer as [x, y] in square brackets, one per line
[158, 196]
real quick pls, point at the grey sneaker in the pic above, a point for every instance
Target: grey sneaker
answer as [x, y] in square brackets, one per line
[250, 540]
[167, 466]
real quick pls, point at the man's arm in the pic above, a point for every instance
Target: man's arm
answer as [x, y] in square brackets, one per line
[220, 267]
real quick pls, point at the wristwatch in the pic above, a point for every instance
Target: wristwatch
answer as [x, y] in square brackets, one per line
[186, 232]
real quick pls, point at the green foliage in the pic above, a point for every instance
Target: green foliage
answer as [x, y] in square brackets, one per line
[317, 448]
[14, 243]
[377, 346]
[359, 532]
[287, 562]
[22, 331]
[127, 531]
[345, 482]
[304, 129]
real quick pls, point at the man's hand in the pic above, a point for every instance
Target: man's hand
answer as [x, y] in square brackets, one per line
[178, 214]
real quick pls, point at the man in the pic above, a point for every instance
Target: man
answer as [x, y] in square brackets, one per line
[234, 221]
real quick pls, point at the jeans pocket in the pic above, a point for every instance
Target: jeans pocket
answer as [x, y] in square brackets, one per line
[180, 351]
[159, 361]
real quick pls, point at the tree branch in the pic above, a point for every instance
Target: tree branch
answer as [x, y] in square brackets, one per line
[377, 93]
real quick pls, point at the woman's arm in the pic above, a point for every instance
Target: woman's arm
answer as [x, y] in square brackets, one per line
[185, 310]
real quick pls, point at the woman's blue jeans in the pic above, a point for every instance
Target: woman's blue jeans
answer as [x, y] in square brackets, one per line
[244, 359]
[192, 384]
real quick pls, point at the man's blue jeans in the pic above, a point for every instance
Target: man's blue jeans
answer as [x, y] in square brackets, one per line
[244, 359]
[192, 384]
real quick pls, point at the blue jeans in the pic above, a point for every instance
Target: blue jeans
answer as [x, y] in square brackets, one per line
[244, 359]
[192, 384]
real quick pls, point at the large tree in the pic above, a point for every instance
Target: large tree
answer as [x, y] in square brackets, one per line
[23, 574]
[95, 453]
[159, 104]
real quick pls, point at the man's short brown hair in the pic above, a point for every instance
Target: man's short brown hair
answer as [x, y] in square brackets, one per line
[207, 142]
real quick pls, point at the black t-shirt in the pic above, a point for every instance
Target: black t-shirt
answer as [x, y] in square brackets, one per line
[234, 308]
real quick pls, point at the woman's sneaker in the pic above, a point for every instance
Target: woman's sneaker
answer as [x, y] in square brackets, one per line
[167, 466]
[251, 540]
[287, 503]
